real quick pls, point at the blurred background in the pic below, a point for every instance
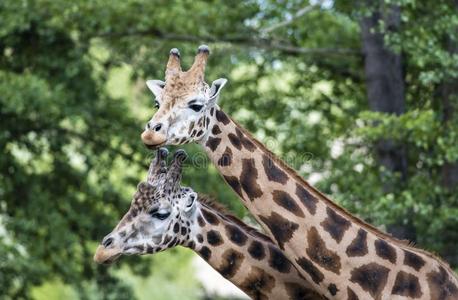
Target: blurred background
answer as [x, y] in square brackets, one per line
[359, 96]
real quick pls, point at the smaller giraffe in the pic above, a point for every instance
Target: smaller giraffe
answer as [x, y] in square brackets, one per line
[163, 215]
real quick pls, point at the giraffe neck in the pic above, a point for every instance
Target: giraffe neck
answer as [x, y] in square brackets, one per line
[246, 257]
[334, 250]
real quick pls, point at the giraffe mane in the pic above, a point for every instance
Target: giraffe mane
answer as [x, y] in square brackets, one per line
[404, 244]
[222, 210]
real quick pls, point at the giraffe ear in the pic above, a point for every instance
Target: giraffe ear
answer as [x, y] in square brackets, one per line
[191, 201]
[216, 87]
[155, 86]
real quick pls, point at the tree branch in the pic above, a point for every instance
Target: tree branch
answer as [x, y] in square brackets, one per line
[243, 40]
[297, 15]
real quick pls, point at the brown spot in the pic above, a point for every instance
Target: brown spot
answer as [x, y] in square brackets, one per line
[173, 242]
[210, 217]
[284, 200]
[191, 244]
[296, 291]
[236, 235]
[256, 250]
[213, 143]
[235, 184]
[278, 260]
[406, 285]
[166, 240]
[311, 269]
[226, 159]
[235, 141]
[351, 295]
[231, 261]
[306, 198]
[273, 172]
[332, 288]
[282, 229]
[191, 127]
[258, 284]
[214, 238]
[385, 250]
[371, 277]
[201, 121]
[222, 117]
[413, 260]
[321, 255]
[216, 130]
[335, 224]
[201, 221]
[176, 228]
[205, 252]
[441, 285]
[245, 141]
[358, 246]
[212, 111]
[248, 179]
[200, 238]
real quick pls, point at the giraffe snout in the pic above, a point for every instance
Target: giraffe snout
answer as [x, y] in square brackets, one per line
[107, 252]
[154, 135]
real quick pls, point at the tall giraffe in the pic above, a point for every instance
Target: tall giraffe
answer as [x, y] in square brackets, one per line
[163, 215]
[342, 255]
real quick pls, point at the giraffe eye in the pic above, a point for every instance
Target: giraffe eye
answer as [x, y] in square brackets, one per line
[156, 104]
[159, 215]
[196, 107]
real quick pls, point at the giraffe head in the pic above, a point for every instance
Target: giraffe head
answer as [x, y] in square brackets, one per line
[184, 102]
[159, 214]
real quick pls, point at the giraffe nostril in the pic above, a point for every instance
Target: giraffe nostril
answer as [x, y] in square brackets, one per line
[157, 127]
[107, 242]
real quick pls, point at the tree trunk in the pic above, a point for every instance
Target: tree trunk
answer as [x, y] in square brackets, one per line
[386, 92]
[447, 93]
[384, 82]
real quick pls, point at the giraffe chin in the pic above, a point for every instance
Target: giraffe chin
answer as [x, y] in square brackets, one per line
[153, 147]
[106, 256]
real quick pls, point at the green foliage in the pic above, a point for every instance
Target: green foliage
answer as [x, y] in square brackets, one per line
[73, 103]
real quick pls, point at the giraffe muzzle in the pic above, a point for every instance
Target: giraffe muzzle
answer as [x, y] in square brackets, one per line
[152, 139]
[106, 256]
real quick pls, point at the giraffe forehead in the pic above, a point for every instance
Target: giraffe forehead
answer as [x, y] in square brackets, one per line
[148, 198]
[145, 200]
[180, 87]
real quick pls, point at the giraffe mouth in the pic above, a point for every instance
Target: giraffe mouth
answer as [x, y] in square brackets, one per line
[155, 146]
[111, 259]
[106, 256]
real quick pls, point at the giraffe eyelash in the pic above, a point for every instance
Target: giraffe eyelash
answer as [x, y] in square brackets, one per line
[160, 216]
[196, 107]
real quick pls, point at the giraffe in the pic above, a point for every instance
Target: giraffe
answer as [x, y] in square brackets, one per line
[344, 257]
[163, 214]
